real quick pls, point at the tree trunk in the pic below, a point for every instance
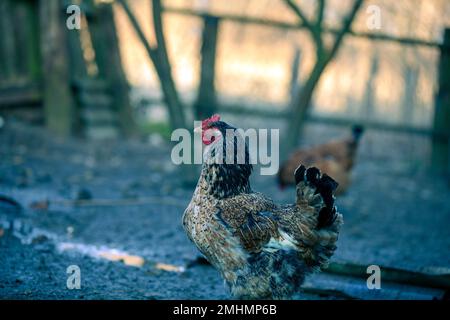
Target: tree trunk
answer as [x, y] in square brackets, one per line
[300, 105]
[158, 56]
[170, 93]
[206, 103]
[164, 70]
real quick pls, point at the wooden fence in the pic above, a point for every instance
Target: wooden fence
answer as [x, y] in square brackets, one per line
[20, 71]
[75, 75]
[439, 133]
[42, 63]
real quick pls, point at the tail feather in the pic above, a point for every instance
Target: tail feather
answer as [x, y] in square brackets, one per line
[311, 183]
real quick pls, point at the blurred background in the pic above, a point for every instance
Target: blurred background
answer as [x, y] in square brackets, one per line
[86, 116]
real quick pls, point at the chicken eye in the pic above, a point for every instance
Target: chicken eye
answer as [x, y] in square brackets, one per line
[210, 135]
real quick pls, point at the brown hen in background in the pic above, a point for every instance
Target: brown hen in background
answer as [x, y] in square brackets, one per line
[335, 158]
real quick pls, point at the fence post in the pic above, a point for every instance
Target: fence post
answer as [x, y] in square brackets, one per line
[411, 77]
[206, 103]
[59, 104]
[7, 45]
[369, 93]
[441, 125]
[294, 82]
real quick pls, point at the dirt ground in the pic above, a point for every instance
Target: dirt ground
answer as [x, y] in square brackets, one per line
[125, 233]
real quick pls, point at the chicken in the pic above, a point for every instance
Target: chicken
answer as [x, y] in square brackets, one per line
[335, 158]
[261, 249]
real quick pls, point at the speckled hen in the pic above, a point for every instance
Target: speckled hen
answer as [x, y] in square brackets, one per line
[262, 250]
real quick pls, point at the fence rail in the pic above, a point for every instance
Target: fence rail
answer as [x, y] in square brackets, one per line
[337, 121]
[294, 26]
[20, 95]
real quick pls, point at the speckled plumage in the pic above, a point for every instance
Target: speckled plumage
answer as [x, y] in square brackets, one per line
[262, 250]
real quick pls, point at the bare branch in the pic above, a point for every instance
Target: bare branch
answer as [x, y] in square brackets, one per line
[347, 23]
[300, 14]
[151, 51]
[319, 13]
[158, 56]
[302, 100]
[318, 29]
[157, 23]
[315, 31]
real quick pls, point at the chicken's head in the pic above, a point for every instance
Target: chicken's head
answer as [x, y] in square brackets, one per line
[209, 130]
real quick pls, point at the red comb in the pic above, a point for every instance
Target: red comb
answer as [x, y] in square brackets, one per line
[214, 118]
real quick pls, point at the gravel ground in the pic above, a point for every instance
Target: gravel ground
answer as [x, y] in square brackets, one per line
[396, 215]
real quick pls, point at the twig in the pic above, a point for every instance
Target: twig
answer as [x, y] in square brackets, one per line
[140, 33]
[320, 12]
[439, 280]
[300, 14]
[346, 27]
[169, 201]
[314, 29]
